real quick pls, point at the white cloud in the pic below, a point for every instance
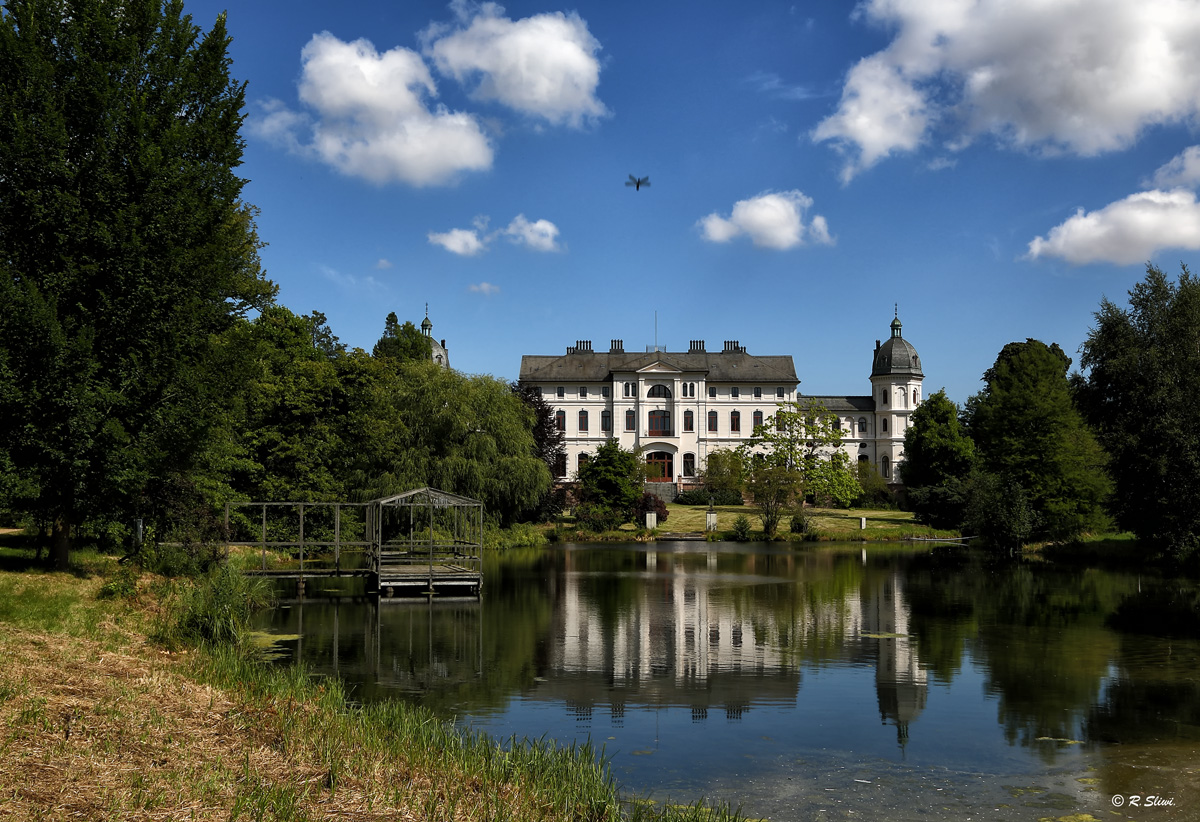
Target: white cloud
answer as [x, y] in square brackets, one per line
[772, 85]
[771, 220]
[462, 241]
[383, 264]
[545, 65]
[1081, 76]
[540, 235]
[349, 281]
[1182, 171]
[1128, 231]
[486, 289]
[371, 118]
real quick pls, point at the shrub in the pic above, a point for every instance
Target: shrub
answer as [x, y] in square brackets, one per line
[741, 528]
[800, 521]
[596, 517]
[648, 503]
[215, 608]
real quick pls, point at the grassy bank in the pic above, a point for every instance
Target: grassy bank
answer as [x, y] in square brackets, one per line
[99, 721]
[825, 524]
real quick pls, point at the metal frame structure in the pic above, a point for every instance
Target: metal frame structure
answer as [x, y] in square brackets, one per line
[423, 541]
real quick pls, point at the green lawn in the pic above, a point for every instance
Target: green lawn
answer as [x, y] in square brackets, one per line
[830, 523]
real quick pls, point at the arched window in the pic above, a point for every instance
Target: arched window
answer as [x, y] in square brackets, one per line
[606, 420]
[660, 391]
[660, 424]
[583, 422]
[735, 421]
[689, 465]
[862, 426]
[688, 421]
[883, 396]
[584, 459]
[916, 396]
[691, 389]
[885, 467]
[560, 420]
[712, 421]
[630, 420]
[837, 423]
[883, 424]
[757, 418]
[629, 391]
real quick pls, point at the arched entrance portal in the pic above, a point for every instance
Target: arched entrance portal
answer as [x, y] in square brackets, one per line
[660, 467]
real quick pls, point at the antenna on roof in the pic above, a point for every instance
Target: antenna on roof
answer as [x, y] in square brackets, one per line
[656, 329]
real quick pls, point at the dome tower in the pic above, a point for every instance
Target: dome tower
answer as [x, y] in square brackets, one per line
[896, 378]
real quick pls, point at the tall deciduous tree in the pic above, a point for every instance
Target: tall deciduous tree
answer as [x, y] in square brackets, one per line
[1141, 389]
[612, 478]
[124, 249]
[938, 459]
[402, 342]
[805, 438]
[1030, 435]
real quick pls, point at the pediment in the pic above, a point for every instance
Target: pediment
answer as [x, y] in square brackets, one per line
[659, 367]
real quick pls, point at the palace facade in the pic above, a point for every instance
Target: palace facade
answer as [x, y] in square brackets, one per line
[678, 407]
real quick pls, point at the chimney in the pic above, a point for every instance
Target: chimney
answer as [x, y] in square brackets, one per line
[732, 347]
[616, 347]
[696, 347]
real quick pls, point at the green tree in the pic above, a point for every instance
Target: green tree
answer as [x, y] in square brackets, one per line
[725, 472]
[938, 459]
[612, 478]
[1143, 379]
[402, 342]
[548, 446]
[805, 437]
[124, 251]
[773, 489]
[1030, 436]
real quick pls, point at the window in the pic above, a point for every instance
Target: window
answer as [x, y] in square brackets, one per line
[629, 389]
[712, 421]
[885, 467]
[688, 421]
[757, 418]
[779, 422]
[916, 397]
[837, 423]
[560, 465]
[537, 389]
[560, 420]
[757, 393]
[712, 392]
[659, 391]
[689, 465]
[691, 389]
[583, 392]
[582, 422]
[562, 392]
[658, 467]
[604, 391]
[660, 423]
[606, 420]
[735, 421]
[779, 393]
[630, 420]
[583, 460]
[735, 392]
[862, 426]
[883, 424]
[883, 396]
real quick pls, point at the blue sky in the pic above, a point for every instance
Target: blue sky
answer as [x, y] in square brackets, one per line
[995, 168]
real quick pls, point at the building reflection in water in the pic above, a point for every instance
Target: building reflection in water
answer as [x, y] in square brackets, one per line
[693, 637]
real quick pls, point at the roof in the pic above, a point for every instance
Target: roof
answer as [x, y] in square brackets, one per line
[717, 366]
[831, 403]
[427, 496]
[896, 356]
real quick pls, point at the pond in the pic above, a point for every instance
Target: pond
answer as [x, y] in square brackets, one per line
[832, 682]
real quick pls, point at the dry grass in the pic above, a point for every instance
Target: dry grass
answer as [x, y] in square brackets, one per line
[831, 523]
[99, 723]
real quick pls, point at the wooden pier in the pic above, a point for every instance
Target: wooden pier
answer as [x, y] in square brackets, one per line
[423, 543]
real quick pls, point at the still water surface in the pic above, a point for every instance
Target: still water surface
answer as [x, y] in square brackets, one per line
[826, 683]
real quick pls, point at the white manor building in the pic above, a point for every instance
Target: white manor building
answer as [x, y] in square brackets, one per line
[676, 408]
